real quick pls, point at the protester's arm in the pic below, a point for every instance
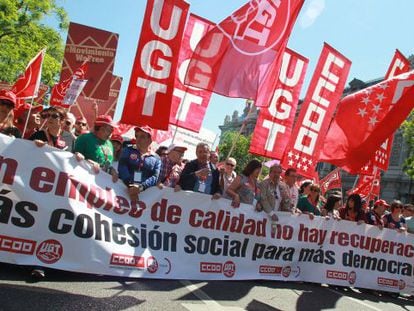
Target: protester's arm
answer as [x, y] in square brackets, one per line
[232, 191]
[123, 169]
[152, 181]
[187, 176]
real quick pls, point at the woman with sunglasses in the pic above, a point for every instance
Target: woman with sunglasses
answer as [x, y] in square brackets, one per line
[7, 104]
[395, 220]
[310, 204]
[51, 133]
[227, 175]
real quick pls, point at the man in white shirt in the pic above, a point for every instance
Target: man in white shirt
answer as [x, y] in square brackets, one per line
[293, 192]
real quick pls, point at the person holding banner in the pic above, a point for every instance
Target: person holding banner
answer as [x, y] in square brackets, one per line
[245, 188]
[139, 167]
[290, 180]
[309, 204]
[353, 210]
[227, 175]
[25, 111]
[374, 216]
[331, 207]
[67, 131]
[52, 133]
[97, 147]
[171, 166]
[273, 194]
[7, 104]
[200, 175]
[394, 220]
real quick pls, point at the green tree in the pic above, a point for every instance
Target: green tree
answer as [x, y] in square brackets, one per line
[240, 151]
[23, 34]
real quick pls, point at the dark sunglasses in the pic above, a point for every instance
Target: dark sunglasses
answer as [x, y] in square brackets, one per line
[81, 123]
[231, 164]
[68, 123]
[52, 115]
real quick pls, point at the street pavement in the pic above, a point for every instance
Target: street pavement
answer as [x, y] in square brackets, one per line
[73, 291]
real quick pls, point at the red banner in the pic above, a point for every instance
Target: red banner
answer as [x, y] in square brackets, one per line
[99, 46]
[84, 106]
[381, 159]
[274, 124]
[189, 104]
[150, 92]
[365, 119]
[27, 86]
[331, 181]
[368, 186]
[244, 51]
[324, 92]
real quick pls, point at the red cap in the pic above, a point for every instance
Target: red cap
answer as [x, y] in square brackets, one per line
[18, 113]
[145, 129]
[81, 119]
[381, 202]
[118, 138]
[9, 96]
[105, 120]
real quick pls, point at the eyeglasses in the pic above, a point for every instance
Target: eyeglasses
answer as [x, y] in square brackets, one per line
[68, 123]
[230, 164]
[81, 123]
[52, 115]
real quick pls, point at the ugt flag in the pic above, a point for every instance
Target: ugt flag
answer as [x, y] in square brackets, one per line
[244, 51]
[365, 119]
[27, 86]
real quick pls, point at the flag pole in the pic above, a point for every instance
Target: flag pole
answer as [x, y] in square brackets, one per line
[241, 129]
[27, 118]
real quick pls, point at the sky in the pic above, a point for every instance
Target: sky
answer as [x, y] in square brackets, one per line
[365, 31]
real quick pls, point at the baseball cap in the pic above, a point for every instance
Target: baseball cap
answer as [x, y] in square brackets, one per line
[381, 202]
[176, 147]
[105, 120]
[145, 129]
[9, 96]
[117, 137]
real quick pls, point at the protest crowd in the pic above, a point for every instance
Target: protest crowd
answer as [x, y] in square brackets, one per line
[287, 187]
[139, 168]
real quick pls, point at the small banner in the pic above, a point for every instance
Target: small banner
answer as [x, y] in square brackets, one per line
[274, 124]
[189, 104]
[331, 181]
[99, 48]
[150, 92]
[56, 213]
[74, 91]
[325, 90]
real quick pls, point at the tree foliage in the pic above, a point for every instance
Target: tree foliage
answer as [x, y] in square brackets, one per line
[240, 151]
[23, 34]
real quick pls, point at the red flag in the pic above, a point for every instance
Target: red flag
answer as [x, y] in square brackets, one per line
[324, 92]
[27, 86]
[150, 91]
[381, 159]
[331, 181]
[59, 89]
[243, 53]
[365, 119]
[274, 124]
[368, 185]
[189, 104]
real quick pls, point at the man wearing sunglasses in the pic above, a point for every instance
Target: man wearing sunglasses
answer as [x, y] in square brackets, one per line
[171, 166]
[97, 147]
[80, 126]
[52, 119]
[67, 131]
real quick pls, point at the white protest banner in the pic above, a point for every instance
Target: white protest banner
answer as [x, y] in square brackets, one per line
[55, 213]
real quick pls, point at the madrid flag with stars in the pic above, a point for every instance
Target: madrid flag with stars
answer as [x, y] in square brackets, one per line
[365, 119]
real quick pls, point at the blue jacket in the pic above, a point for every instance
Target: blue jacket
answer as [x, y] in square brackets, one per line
[130, 162]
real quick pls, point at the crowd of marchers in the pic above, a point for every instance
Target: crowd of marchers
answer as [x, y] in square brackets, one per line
[139, 168]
